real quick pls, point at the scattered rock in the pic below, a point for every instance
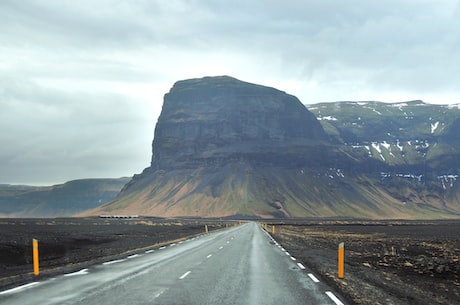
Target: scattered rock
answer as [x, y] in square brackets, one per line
[408, 264]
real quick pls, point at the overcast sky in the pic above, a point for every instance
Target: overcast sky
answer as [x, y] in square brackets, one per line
[82, 82]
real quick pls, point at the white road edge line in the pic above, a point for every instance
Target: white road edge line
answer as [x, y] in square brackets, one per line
[313, 277]
[184, 275]
[16, 289]
[81, 272]
[334, 298]
[293, 258]
[301, 266]
[114, 262]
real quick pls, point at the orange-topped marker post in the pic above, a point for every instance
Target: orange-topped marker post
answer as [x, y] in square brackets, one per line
[35, 256]
[341, 261]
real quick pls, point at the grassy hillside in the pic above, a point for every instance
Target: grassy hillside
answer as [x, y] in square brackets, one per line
[241, 189]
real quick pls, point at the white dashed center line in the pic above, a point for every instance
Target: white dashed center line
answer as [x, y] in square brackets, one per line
[159, 293]
[184, 275]
[209, 256]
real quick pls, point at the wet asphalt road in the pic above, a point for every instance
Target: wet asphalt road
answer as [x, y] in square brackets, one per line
[242, 265]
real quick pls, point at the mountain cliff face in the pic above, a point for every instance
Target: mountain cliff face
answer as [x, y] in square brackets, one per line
[216, 119]
[223, 147]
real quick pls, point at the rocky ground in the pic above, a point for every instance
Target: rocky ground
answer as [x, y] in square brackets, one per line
[385, 262]
[67, 245]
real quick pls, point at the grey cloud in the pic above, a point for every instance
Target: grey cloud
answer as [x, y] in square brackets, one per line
[84, 23]
[376, 38]
[56, 135]
[62, 65]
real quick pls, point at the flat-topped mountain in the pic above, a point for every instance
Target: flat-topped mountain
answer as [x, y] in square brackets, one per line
[215, 119]
[223, 147]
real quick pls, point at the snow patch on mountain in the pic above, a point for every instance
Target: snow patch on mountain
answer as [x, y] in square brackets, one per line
[384, 175]
[335, 172]
[327, 118]
[453, 106]
[398, 144]
[447, 180]
[434, 127]
[376, 146]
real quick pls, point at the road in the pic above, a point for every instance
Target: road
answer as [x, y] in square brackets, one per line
[241, 265]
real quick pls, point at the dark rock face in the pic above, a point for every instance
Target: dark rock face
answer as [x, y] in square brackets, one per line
[212, 119]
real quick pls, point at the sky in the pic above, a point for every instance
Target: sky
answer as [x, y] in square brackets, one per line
[82, 82]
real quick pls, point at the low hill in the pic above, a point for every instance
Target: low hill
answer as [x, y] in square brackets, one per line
[58, 200]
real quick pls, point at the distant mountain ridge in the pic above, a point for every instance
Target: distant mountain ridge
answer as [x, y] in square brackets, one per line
[416, 144]
[411, 135]
[224, 147]
[58, 200]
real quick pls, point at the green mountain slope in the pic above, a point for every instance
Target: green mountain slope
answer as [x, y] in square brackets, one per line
[400, 133]
[248, 190]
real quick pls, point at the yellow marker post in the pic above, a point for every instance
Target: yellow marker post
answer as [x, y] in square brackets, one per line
[273, 229]
[206, 229]
[341, 261]
[35, 256]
